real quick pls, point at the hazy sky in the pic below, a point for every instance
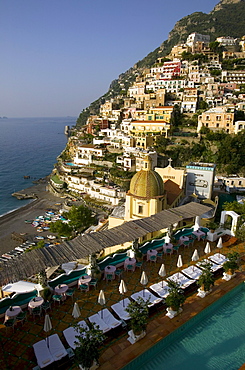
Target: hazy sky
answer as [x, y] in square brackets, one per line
[57, 56]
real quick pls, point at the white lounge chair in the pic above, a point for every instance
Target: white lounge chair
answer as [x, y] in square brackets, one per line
[192, 272]
[119, 309]
[56, 347]
[145, 294]
[214, 266]
[184, 281]
[218, 258]
[109, 319]
[97, 320]
[70, 334]
[160, 289]
[42, 353]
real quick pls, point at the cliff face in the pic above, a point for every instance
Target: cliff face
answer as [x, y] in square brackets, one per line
[226, 19]
[222, 4]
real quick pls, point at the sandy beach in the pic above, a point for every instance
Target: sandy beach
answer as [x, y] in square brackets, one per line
[15, 221]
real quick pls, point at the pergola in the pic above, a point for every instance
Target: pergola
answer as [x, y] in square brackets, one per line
[82, 246]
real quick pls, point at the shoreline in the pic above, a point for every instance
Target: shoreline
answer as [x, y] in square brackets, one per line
[14, 221]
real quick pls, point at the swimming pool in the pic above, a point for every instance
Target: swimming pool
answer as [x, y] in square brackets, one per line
[214, 339]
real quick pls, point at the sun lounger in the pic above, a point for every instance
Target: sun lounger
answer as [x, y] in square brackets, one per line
[145, 294]
[109, 319]
[56, 347]
[160, 289]
[119, 309]
[42, 353]
[70, 334]
[214, 266]
[98, 320]
[184, 281]
[218, 258]
[192, 272]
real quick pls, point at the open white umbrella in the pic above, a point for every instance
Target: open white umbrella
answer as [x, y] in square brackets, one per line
[162, 272]
[122, 289]
[47, 325]
[179, 262]
[101, 300]
[207, 249]
[76, 311]
[143, 281]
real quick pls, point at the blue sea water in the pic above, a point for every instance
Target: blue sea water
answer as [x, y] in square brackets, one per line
[28, 147]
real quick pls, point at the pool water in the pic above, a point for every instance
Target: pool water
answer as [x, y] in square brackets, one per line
[214, 339]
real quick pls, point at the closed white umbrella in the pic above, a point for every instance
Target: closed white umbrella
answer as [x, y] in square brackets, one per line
[47, 325]
[179, 262]
[76, 311]
[122, 289]
[143, 280]
[167, 239]
[195, 257]
[162, 272]
[220, 244]
[207, 249]
[101, 300]
[197, 223]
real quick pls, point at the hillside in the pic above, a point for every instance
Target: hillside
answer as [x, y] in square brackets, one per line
[226, 19]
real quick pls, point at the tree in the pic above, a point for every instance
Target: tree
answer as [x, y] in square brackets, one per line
[139, 313]
[87, 344]
[60, 228]
[176, 116]
[79, 217]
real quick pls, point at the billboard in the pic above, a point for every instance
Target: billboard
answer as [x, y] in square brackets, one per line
[200, 179]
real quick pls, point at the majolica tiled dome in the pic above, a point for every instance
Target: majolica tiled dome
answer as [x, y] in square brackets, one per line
[146, 184]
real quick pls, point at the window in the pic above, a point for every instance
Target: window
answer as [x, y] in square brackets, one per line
[140, 209]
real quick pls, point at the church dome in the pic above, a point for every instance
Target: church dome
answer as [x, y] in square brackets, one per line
[146, 183]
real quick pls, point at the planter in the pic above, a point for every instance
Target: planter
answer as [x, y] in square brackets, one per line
[133, 338]
[228, 276]
[93, 367]
[202, 293]
[171, 312]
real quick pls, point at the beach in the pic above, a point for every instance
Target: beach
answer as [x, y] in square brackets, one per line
[14, 222]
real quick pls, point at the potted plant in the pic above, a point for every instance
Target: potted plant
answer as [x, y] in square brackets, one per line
[231, 265]
[206, 279]
[138, 312]
[87, 346]
[175, 299]
[138, 255]
[212, 226]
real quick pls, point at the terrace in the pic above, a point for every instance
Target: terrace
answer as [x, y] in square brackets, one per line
[16, 347]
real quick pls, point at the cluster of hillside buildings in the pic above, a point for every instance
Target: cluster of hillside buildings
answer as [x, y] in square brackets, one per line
[132, 122]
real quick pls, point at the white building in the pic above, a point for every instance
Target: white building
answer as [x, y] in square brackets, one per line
[197, 37]
[84, 153]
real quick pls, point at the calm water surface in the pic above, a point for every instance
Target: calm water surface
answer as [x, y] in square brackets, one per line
[28, 146]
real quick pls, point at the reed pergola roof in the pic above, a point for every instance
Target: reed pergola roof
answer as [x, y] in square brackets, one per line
[37, 260]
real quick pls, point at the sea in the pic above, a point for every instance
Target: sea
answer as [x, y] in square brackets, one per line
[28, 147]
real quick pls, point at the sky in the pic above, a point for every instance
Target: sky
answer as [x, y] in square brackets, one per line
[58, 56]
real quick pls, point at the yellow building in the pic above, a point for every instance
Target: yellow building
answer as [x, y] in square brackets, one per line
[219, 118]
[137, 128]
[148, 195]
[160, 114]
